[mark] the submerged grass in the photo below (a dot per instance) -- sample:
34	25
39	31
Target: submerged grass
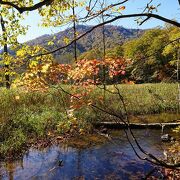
27	116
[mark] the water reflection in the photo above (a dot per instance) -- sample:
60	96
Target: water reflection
106	161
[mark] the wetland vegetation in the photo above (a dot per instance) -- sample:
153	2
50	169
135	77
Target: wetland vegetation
29	116
54	90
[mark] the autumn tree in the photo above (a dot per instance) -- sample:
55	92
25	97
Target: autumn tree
10	30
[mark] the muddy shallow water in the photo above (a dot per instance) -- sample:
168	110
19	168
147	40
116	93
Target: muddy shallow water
109	160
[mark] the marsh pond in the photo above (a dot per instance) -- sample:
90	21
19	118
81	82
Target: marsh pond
104	160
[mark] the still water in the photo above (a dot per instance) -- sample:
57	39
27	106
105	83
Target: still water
109	160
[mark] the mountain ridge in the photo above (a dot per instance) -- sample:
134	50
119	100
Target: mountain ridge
115	35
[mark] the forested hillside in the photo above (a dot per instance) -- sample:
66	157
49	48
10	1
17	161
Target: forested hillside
152	56
115	35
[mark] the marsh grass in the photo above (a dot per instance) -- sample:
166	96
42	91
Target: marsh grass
143	98
27	116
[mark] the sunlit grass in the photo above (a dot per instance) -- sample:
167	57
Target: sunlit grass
30	115
148	98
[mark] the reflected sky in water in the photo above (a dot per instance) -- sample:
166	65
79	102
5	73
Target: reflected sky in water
111	160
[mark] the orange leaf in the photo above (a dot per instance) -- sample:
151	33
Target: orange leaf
122	8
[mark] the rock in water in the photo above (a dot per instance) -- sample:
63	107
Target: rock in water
166	137
60	163
104	130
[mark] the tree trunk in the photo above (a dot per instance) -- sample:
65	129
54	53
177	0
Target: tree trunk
7	77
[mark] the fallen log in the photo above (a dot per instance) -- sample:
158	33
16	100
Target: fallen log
120	125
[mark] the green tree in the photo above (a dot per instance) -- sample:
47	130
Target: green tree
171	50
115	52
146	54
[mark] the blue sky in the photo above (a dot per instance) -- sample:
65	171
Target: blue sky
168	8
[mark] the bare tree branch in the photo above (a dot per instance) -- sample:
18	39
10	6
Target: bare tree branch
110	21
30	8
101	11
90	8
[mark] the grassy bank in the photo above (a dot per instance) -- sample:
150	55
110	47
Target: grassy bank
28	116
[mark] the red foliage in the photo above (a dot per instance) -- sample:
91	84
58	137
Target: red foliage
58	73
